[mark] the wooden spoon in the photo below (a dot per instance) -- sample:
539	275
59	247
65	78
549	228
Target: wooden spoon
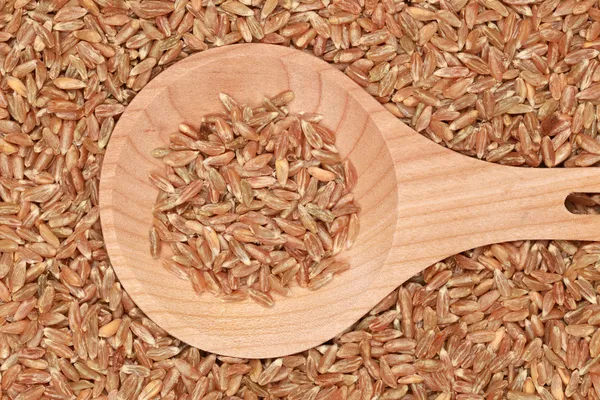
420	202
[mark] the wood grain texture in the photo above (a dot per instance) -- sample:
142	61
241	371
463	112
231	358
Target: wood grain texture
420	202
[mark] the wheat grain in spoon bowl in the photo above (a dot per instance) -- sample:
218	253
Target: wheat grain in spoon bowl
254	200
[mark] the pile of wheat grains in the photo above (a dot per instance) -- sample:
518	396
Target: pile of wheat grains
513	82
254	199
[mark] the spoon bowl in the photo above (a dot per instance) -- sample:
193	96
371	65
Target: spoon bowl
419	202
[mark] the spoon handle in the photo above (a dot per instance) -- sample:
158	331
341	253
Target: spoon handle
448	202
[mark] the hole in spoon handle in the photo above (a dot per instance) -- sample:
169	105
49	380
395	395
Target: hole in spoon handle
583	203
552	219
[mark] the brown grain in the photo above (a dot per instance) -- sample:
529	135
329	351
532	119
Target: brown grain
54	130
286	189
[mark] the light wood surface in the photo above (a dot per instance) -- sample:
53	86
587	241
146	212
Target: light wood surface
420	202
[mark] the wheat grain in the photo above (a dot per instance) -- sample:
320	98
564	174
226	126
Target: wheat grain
454	57
277	227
